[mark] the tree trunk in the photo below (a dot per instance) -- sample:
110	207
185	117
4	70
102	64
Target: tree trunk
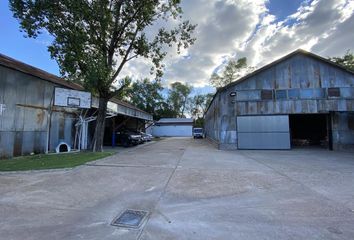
97	143
183	107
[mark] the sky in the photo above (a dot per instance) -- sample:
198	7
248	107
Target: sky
261	30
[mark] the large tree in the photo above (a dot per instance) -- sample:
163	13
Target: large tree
146	95
94	39
165	110
199	104
178	97
232	71
346	61
198	107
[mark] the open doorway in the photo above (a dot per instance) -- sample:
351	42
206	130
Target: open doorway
310	130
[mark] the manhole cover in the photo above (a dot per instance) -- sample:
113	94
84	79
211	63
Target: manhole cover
130	219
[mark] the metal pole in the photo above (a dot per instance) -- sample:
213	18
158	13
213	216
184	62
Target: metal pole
113	133
49	120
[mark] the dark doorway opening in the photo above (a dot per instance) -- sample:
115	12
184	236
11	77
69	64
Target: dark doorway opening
119	123
63	148
310	130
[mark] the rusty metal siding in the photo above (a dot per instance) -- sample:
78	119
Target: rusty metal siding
310	78
69	128
61	129
27	143
343	130
23	125
211	122
298	72
7	143
54	130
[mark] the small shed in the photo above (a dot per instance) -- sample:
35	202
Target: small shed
173	127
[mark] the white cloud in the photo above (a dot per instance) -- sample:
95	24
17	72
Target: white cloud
247	28
316	26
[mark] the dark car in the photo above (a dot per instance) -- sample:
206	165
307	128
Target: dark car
128	138
147	137
137	133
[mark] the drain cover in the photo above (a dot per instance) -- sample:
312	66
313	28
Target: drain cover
130	219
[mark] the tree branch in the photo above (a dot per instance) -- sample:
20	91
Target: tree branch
130	58
124	60
93	29
116	92
115	33
125	25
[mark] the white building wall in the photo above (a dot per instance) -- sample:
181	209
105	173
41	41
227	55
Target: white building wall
172	131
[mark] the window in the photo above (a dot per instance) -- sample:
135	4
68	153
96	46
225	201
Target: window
347	92
293	93
281	94
333	92
248	95
314	93
266	94
319	93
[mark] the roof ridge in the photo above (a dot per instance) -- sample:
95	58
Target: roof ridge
297	51
36	72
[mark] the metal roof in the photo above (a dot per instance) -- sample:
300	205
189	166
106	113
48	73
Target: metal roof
296	52
176	120
36	72
128	105
299	51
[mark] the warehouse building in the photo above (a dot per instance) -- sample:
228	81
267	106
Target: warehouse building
31	123
299	100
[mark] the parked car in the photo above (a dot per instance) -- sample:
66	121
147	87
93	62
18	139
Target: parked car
128	138
198	133
147	137
137	133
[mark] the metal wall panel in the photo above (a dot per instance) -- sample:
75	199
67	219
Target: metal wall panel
263	132
28	141
7	143
266	141
277	123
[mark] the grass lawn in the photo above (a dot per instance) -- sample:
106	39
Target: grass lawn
37	162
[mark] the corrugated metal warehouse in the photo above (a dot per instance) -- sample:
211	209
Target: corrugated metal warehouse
26	94
173	127
301	99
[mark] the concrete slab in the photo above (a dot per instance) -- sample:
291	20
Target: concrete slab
192	190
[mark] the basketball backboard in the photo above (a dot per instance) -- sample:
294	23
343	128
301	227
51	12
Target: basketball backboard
71	98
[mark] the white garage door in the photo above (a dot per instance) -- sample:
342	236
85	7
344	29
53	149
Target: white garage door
172	131
263	132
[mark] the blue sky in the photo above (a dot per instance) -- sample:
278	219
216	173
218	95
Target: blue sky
283	8
261	30
15	45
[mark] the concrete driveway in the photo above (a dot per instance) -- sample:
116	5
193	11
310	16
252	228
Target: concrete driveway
192	190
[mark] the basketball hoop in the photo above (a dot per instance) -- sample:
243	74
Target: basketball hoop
71	98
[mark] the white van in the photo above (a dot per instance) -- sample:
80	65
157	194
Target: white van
198	133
